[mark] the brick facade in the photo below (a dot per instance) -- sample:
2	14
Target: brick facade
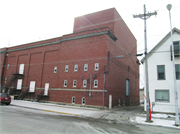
97	38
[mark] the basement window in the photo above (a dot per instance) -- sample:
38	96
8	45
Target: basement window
55	69
73	100
96	83
83	100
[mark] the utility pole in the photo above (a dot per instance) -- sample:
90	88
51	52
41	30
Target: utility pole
145	16
169	6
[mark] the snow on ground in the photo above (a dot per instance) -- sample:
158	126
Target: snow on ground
157	122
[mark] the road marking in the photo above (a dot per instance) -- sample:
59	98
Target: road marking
61	112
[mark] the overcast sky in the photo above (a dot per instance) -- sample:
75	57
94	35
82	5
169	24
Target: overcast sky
25	21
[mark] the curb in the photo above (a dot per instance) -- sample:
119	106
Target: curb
48	110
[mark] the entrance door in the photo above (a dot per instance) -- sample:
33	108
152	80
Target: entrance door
19	84
32	86
46	89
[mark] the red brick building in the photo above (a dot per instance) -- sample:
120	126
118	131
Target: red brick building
71	69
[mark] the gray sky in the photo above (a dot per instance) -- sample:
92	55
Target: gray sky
25	21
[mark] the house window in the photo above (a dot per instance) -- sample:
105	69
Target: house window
7	66
96	66
83	100
74	83
19	84
76	67
73	100
176	48
85	67
127	87
65	83
177	66
55	69
95	83
32	86
66	68
162	95
84	83
161	72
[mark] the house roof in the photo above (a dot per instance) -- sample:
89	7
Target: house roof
162	41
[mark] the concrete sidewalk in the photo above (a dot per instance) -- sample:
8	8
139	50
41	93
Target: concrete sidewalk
131	114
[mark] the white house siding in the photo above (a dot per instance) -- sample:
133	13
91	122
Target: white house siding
163	58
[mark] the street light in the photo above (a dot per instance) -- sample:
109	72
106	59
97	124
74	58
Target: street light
169	6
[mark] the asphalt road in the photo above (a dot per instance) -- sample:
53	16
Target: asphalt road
16	120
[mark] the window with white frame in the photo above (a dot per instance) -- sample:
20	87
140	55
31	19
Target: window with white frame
161	72
127	87
19	84
162	95
96	66
76	67
95	83
65	83
55	69
74	83
84	83
85	67
66	68
83	100
73	100
177	67
32	86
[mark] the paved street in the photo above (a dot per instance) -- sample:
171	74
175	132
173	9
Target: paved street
18	120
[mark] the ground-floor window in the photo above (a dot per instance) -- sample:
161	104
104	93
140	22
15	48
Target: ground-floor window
162	95
73	100
83	101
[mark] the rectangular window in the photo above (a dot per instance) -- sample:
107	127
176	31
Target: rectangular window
19	84
84	83
96	66
32	86
161	72
73	100
74	83
176	48
177	66
95	83
66	68
127	87
162	95
76	67
85	67
21	69
55	69
65	83
83	101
